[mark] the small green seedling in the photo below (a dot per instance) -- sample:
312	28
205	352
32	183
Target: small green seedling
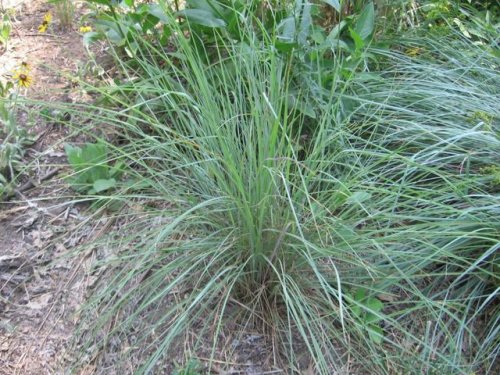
368	311
92	173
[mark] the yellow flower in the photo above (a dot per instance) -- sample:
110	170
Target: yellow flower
85	29
43	27
23	79
47	18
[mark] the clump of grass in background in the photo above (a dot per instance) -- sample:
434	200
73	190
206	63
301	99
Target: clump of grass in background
65	12
367	235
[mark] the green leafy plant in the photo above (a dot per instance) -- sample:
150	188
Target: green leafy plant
477	21
12	148
14	138
92	173
120	23
292	28
11	152
5	29
5	89
438	9
368	311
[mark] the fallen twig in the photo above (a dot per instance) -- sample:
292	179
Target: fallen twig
31	184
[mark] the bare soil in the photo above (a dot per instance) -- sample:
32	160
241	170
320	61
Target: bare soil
41	287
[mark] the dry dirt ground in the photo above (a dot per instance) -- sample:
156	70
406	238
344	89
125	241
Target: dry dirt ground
40	288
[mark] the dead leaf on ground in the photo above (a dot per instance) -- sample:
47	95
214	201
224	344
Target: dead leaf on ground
25	221
40	302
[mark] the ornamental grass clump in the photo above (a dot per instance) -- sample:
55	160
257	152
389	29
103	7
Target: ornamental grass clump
362	240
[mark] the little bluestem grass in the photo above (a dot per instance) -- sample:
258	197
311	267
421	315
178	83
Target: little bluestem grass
249	208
